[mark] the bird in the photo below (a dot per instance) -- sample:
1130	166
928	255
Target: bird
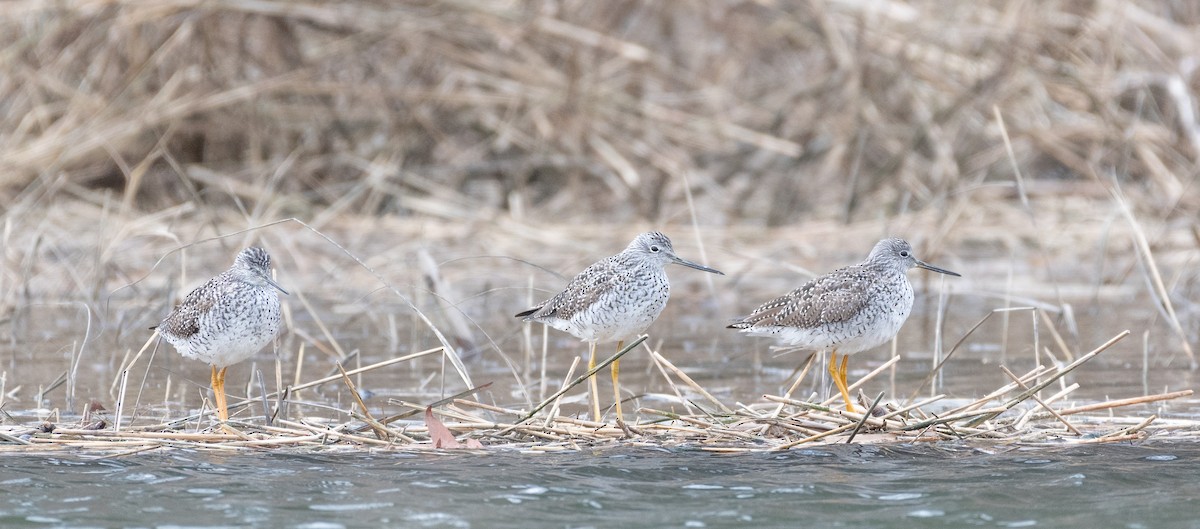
614	299
227	319
849	310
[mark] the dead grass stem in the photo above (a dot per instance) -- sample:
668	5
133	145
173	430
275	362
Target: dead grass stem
763	426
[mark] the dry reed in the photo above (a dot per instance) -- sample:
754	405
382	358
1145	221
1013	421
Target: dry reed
775	423
1054	144
462	110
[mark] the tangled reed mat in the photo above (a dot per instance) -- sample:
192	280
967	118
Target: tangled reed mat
1019	411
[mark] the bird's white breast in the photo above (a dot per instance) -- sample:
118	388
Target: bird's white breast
233	330
622	311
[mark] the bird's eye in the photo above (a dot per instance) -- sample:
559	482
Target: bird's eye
903	253
654	249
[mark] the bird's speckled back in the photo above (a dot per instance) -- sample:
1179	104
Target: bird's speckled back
615	298
851	309
230	317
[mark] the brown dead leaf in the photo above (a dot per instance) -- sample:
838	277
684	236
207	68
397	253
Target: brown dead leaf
438	433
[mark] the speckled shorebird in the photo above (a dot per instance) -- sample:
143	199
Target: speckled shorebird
227	319
848	310
614	299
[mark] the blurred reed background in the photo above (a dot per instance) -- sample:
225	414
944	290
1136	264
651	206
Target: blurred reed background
1046	149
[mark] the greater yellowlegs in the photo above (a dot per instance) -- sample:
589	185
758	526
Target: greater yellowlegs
614	299
848	310
227	319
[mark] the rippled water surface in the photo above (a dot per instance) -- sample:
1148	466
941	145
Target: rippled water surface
1150	486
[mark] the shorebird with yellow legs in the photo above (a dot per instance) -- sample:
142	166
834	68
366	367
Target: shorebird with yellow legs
849	310
227	319
614	299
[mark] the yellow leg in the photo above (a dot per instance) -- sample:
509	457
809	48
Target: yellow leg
616	384
219	391
846	390
215	381
593	387
839	378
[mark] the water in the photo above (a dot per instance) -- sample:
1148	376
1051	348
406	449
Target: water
947	485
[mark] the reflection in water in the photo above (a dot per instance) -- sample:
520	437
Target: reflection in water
843	486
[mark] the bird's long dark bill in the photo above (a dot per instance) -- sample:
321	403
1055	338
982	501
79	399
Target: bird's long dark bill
690	264
276	285
931	268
